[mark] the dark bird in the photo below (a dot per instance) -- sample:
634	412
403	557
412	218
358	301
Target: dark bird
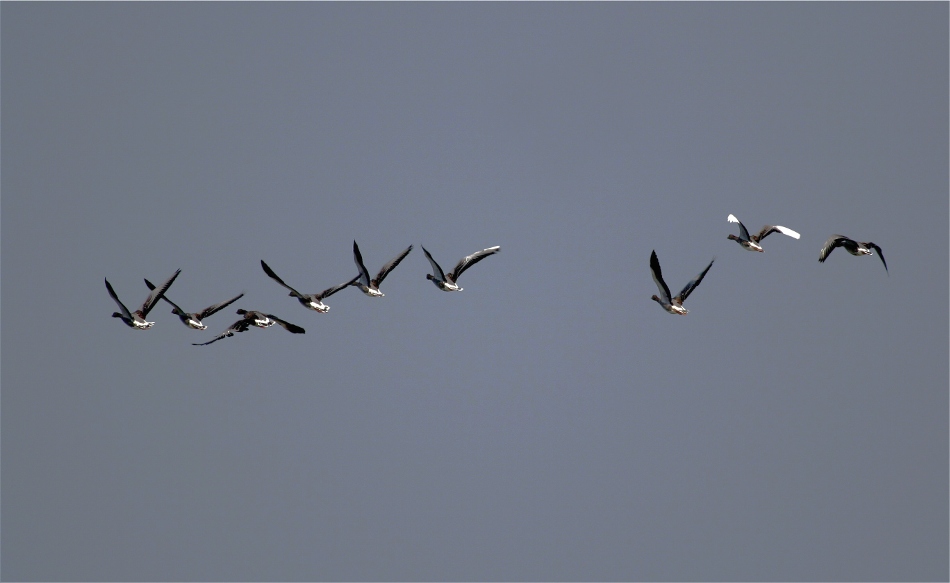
369	286
851	246
446	281
193	320
259	319
752	242
675	305
136	319
311	301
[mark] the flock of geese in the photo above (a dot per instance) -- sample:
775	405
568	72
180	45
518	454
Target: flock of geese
442	280
751	243
369	286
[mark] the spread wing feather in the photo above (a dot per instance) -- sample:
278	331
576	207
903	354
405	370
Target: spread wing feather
879	253
270	273
151	285
829	246
358	259
436	268
471	260
743	233
218	307
332	290
390	266
239	326
693	284
122	308
769	229
293	329
658	278
158	292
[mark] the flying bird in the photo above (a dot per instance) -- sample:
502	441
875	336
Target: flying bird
369	286
311	301
252	318
446	281
674	305
136	319
194	319
752	242
851	246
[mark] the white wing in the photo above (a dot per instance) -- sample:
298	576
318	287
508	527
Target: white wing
787	231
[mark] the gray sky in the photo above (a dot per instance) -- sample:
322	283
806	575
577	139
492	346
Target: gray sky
548	423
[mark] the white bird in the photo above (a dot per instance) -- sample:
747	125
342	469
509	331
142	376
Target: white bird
194	319
311	301
252	318
446	281
851	246
369	286
136	319
674	305
752	242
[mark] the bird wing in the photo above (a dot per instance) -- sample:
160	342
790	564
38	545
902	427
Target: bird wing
471	260
293	329
270	273
239	326
151	285
358	259
658	278
829	246
122	308
879	253
769	229
743	233
693	284
224	334
436	269
158	292
332	290
217	307
390	266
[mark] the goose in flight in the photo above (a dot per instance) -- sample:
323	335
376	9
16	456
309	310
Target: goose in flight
851	246
446	281
369	286
136	319
674	305
252	318
752	242
311	301
194	320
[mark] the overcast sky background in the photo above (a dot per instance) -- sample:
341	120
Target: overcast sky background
550	422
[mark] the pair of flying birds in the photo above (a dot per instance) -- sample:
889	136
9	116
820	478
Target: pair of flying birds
674	305
370	287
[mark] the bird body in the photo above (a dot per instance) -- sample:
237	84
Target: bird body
447	281
751	242
310	301
253	318
369	286
673	305
853	247
136	319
